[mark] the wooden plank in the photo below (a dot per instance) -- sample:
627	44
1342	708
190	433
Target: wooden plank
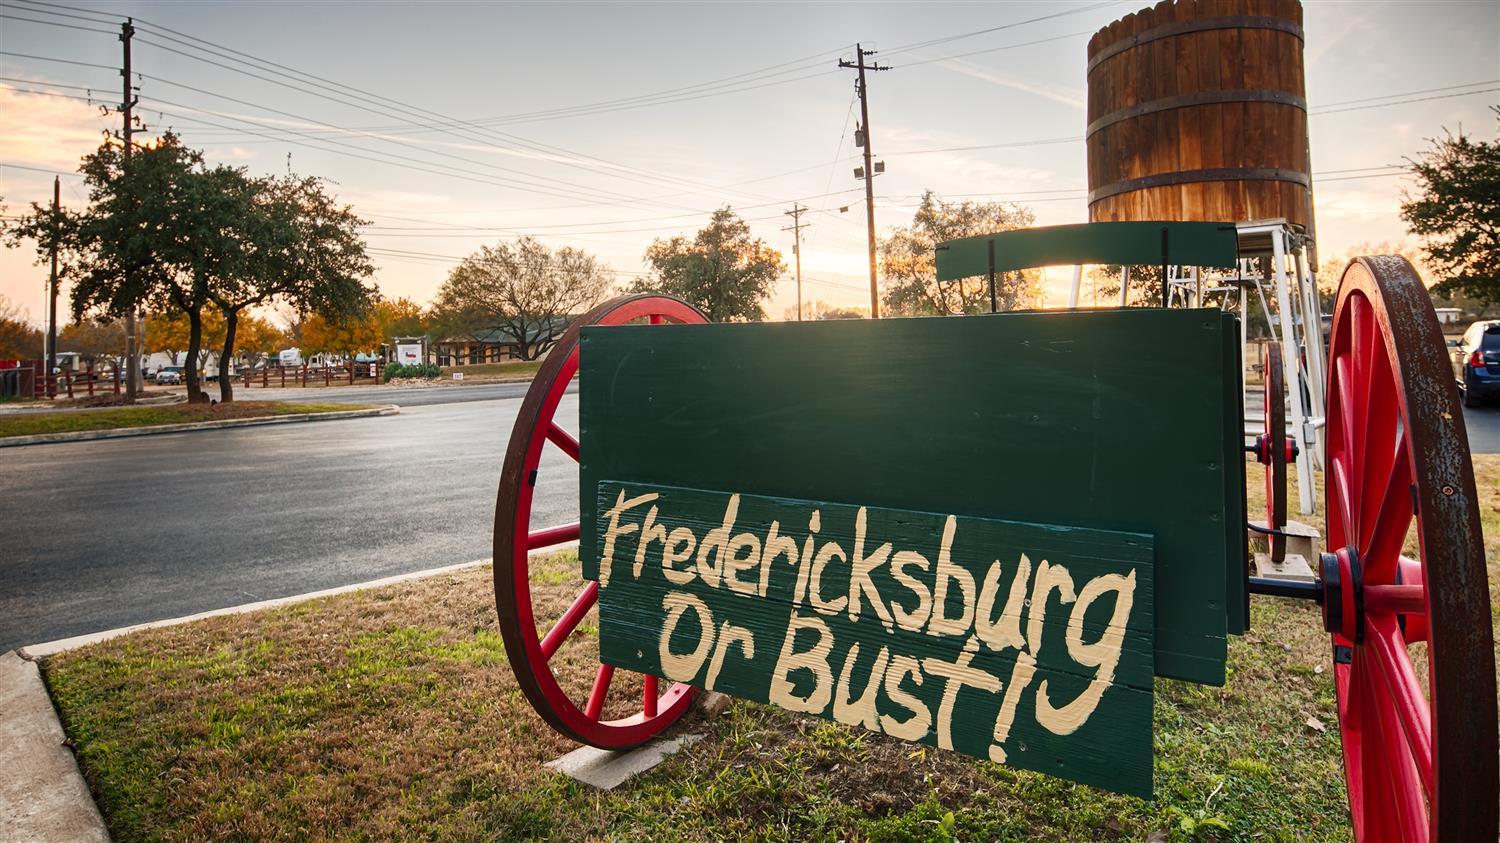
1018	643
1112	420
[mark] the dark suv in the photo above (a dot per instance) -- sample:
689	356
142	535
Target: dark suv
1476	362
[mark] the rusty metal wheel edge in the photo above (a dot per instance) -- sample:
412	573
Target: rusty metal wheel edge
1467	769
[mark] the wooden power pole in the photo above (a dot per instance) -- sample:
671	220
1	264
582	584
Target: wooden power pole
796	228
127	105
51	354
862	137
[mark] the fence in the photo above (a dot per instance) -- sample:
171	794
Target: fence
305	375
66	383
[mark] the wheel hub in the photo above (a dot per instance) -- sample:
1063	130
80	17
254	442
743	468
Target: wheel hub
1343	597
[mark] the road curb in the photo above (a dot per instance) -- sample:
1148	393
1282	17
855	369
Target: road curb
50	800
42	795
48	648
152	430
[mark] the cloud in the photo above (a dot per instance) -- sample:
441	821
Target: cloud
1057	93
49	132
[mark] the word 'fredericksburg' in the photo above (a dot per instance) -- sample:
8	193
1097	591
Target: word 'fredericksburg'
1019	643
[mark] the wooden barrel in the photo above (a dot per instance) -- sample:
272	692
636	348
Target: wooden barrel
1197	111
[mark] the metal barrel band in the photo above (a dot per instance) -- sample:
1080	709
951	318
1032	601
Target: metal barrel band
1201	25
1191	176
1195	99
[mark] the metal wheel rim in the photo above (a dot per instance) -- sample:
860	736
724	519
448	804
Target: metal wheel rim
534	427
1418	767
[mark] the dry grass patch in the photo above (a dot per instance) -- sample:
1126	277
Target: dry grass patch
392	714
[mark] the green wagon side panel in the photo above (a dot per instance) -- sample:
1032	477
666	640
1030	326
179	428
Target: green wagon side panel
1114	420
1023	643
1123	243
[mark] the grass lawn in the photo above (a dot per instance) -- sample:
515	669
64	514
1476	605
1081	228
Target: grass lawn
515	369
109	419
392	714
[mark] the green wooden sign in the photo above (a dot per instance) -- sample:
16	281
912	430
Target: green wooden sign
1126	421
1019	643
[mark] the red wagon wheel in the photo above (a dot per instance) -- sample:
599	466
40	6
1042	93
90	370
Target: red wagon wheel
1273	451
1420	762
530	650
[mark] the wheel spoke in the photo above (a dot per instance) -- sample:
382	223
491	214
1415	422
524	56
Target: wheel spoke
1407	807
1384	448
1388	654
1388	532
649	697
552	536
1341	529
1379	787
563	440
1396	599
569	620
1351	417
600	691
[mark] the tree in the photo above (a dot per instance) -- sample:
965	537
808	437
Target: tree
94	340
301	247
19	339
347	335
258	338
160	234
722	270
400	317
1457	213
910	286
819	310
171	332
523	289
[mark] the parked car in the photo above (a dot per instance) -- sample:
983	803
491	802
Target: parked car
169	374
1476	362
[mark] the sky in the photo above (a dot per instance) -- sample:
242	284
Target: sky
606	125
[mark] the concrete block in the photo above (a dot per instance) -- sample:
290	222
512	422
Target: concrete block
1293	567
1302	539
608	769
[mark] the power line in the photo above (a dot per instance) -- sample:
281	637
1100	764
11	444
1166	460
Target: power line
1013	25
56	23
264	65
1401	102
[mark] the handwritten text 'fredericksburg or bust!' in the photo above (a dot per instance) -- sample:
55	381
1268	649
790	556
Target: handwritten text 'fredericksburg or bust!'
751	562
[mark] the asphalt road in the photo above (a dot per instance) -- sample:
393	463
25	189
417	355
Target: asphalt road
114	532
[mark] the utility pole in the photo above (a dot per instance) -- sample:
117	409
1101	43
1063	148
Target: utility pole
127	104
51	354
796	228
869	170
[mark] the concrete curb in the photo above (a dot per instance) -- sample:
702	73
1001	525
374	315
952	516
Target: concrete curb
37	651
42	795
151	430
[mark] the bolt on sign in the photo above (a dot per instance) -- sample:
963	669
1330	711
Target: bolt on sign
813	482
1019	643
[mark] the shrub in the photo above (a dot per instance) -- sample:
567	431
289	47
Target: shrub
416	370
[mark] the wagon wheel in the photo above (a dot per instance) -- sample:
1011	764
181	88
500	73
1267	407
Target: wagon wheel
530	652
1271	447
1419	765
